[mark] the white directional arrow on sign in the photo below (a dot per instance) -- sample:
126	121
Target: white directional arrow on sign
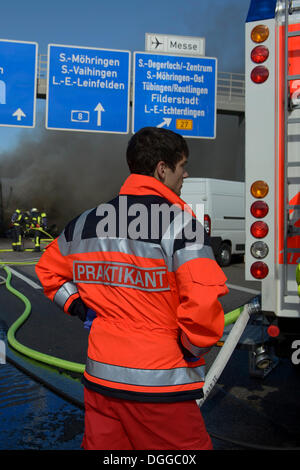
99	108
19	114
166	122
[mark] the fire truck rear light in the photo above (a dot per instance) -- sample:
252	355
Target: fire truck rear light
259	54
259	250
259	209
273	331
259	74
259	270
259	229
259	189
260	33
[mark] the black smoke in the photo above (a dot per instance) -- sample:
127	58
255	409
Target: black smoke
62	173
65	173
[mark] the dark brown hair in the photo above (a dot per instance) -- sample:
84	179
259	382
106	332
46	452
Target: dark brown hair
151	145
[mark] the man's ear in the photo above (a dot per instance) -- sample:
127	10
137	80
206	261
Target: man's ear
160	171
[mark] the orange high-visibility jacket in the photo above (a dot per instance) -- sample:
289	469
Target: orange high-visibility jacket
139	263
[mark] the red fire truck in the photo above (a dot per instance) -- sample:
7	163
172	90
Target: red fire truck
272	165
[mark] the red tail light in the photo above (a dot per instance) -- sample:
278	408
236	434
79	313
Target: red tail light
259	270
259	54
259	229
259	74
207	223
273	331
259	209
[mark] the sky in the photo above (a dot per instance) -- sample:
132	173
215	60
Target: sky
119	24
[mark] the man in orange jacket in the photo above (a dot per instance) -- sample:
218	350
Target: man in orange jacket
143	264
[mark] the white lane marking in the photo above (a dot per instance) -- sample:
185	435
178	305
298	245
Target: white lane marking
244	289
26	279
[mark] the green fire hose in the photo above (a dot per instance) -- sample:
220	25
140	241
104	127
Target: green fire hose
230	318
33	354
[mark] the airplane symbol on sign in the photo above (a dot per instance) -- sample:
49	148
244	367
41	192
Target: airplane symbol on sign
156	42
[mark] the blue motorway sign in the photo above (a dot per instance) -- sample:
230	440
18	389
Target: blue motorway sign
176	92
18	64
88	89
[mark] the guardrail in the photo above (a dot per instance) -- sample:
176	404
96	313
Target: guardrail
231	85
42	66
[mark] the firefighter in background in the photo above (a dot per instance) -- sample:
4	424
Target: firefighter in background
19	222
38	223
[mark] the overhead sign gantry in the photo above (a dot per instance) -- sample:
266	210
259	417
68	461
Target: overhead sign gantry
88	88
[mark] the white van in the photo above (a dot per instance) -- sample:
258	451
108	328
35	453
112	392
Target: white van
224	213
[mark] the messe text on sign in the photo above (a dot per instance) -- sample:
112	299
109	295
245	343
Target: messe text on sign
18	63
175	44
88	89
177	92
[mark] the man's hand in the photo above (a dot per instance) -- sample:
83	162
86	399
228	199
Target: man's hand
78	309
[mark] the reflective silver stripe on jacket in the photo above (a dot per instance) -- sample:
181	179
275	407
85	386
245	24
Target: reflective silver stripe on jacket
64	292
145	377
173	231
195	350
163	251
121	245
191	252
80	222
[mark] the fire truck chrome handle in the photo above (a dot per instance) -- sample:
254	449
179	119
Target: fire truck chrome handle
226	351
